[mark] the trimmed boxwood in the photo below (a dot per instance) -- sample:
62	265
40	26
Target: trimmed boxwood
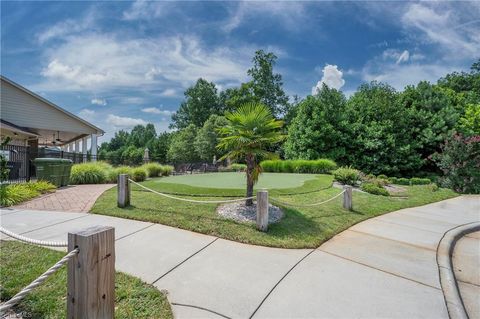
374	189
419	181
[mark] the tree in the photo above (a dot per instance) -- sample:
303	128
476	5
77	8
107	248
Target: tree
232	98
469	123
377	129
317	129
180	149
250	131
207	138
201	101
160	147
141	135
266	85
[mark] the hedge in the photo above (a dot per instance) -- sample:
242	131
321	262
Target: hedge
320	166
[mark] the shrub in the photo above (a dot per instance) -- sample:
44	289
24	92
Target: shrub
16	193
114	172
237	167
139	174
393	180
374	189
433	187
460	163
420	181
320	166
153	169
403	181
167	170
346	175
90	173
381	176
41	186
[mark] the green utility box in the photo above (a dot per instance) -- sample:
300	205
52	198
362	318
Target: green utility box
54	170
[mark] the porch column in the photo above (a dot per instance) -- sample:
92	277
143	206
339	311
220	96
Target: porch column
77	146
84	149
93	147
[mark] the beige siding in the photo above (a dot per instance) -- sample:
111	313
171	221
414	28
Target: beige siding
24	110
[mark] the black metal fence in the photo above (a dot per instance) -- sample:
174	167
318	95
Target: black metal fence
18	162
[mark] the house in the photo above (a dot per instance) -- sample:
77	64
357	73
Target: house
37	126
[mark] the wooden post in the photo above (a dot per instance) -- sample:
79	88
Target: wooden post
262	210
347	197
91	274
123	191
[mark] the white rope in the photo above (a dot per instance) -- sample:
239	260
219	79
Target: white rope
37	282
32	241
307	205
192	200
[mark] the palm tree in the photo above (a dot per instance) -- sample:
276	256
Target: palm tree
250	131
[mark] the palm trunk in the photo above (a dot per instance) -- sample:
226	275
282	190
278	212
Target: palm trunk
250	168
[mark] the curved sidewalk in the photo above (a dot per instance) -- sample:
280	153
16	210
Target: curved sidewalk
384	267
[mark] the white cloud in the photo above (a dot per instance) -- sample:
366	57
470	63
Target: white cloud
124	122
169	92
289	13
87	114
403	57
155	110
145	10
332	77
67	27
104	61
439	23
98	101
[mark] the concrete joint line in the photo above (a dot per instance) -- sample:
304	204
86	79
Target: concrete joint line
137	231
183	261
64	221
281	279
200	308
378	269
448	282
398	241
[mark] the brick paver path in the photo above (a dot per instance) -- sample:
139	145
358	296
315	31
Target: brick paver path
78	198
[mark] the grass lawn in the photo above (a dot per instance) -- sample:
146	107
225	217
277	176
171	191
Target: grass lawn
302	227
22	263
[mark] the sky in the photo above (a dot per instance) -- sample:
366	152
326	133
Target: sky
119	64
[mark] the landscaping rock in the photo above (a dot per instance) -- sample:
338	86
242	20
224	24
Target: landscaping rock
238	211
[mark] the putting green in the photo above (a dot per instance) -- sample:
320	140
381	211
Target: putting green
238	180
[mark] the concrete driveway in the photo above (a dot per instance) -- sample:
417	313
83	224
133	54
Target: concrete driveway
381	268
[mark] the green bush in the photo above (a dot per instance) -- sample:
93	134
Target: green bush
41	186
16	193
237	167
433	187
374	189
114	172
393	180
403	181
320	166
346	175
381	176
153	169
167	170
90	173
420	181
139	174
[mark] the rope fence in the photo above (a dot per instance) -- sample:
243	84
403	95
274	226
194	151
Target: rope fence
32	241
306	205
191	200
262	201
37	282
95	248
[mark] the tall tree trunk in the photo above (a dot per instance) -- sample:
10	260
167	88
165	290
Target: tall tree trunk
250	168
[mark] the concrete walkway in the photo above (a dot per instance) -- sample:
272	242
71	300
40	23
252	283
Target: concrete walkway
381	268
77	198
